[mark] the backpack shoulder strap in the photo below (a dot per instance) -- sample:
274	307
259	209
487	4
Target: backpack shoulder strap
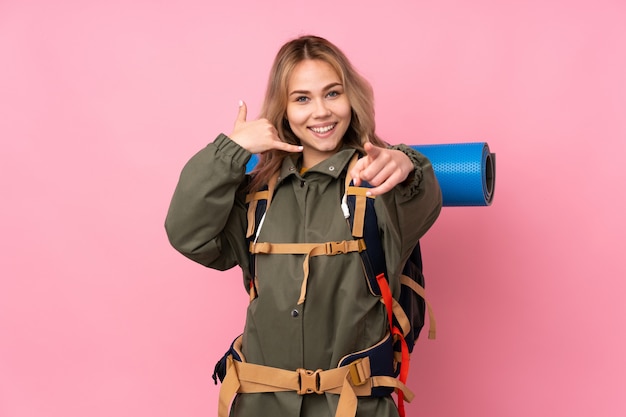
253	199
359	210
258	203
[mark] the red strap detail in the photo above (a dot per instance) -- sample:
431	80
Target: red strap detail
385	292
401	403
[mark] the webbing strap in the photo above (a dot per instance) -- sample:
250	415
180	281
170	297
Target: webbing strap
419	290
348	381
401	317
308	249
259	195
252	201
360	204
360	193
230	386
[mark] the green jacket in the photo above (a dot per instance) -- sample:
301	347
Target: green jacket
207	223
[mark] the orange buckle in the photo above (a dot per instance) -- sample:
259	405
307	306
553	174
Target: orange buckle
357	375
336	248
309	381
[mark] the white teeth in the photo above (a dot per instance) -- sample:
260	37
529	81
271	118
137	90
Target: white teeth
323	129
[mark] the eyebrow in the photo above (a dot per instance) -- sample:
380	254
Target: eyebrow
328	87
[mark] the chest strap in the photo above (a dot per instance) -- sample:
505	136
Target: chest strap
308	249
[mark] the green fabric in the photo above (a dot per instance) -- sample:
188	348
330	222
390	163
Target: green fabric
207	223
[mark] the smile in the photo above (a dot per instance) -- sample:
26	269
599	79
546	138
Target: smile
323	129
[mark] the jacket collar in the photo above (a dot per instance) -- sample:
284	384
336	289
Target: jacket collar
332	166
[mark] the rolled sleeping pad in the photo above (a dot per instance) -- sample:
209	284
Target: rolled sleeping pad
466	172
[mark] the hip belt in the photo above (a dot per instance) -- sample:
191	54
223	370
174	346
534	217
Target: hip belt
368	373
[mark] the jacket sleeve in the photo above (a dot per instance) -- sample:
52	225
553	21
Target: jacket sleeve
206	220
407	212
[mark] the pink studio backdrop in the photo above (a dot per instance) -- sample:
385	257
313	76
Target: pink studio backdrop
101	104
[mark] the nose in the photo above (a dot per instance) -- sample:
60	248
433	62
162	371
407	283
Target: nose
321	109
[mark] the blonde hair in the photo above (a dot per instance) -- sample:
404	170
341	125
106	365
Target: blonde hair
274	109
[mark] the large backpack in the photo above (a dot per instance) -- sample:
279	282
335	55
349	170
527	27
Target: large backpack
405	315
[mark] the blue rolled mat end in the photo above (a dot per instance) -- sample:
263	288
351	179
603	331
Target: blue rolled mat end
466	172
254	159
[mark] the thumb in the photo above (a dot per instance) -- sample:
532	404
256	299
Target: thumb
243	112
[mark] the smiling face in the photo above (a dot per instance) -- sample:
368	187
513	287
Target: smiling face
318	110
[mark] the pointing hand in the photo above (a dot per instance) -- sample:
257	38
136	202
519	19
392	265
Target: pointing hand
383	168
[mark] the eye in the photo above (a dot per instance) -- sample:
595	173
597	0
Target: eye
301	99
333	94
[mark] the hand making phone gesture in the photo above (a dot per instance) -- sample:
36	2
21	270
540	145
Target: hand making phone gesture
258	136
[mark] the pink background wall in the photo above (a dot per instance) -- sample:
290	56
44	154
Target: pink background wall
101	103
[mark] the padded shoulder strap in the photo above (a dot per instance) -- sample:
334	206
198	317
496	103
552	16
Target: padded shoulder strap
363	222
253	199
258	203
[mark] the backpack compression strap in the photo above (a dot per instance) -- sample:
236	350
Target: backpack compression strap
404	322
